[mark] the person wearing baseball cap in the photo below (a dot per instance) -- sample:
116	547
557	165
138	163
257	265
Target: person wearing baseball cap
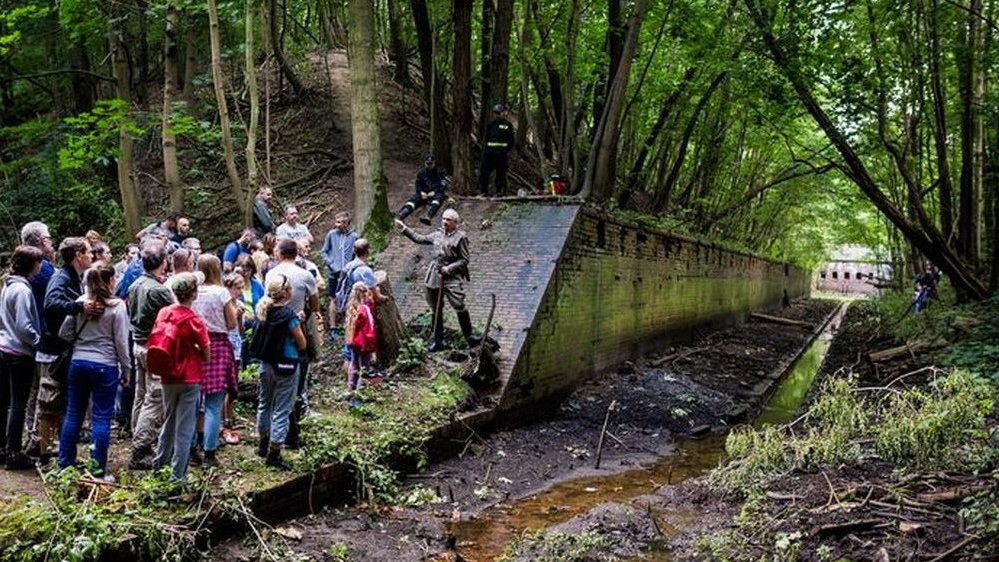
498	143
431	191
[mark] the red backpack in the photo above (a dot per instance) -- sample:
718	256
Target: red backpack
163	346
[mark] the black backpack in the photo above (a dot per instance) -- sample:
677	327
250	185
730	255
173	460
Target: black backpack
269	336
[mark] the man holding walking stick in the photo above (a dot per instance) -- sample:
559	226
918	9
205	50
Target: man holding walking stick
446	276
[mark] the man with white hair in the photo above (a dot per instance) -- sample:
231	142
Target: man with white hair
446	275
291	228
36	234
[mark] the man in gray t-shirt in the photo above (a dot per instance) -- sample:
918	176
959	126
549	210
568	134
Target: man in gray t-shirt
303	284
291	228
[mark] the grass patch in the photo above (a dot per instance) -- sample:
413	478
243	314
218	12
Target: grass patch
557	547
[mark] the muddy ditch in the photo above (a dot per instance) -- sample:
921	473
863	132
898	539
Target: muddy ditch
476	502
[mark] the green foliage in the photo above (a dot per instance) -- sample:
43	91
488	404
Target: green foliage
93	136
412	354
394	423
557	547
943	426
339	552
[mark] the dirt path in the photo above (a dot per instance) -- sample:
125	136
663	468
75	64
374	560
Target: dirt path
655	410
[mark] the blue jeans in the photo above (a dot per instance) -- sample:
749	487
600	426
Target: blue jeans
276	399
213	419
87	380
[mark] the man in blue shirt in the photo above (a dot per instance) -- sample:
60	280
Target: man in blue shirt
338	251
237	248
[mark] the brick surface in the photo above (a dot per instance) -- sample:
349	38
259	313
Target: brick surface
578	292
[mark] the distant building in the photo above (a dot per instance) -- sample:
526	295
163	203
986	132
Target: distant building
853	270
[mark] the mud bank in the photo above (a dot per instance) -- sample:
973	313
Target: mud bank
658	403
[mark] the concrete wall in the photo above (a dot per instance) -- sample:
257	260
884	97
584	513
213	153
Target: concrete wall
578	292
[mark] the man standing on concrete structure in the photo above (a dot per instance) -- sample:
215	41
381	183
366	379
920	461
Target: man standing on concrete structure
145	299
495	154
446	276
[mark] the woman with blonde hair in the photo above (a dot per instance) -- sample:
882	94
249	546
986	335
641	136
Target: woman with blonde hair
276	344
216	307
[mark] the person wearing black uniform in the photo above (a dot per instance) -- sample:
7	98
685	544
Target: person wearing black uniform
499	142
431	190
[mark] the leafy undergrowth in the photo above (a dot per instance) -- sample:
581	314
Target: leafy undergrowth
895	460
893	471
82	518
557	547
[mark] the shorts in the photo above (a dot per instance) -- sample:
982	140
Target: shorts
334	282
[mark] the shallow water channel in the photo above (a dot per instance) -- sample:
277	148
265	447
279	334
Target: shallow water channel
484	538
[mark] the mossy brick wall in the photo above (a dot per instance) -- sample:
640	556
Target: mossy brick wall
578	292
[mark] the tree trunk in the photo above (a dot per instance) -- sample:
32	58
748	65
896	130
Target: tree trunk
370	200
462	92
615	40
601	167
142	86
250	76
397	43
929	243
242	200
190	59
425	44
283	64
499	71
972	137
946	184
171	71
131	200
485	64
391	329
84	91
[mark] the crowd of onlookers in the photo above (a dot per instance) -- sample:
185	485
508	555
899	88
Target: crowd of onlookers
153	341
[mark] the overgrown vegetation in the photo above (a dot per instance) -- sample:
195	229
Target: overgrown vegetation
942	426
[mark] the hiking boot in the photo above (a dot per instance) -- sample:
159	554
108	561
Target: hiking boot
195	458
435	346
274	458
210	460
18	461
262	445
141	459
426	219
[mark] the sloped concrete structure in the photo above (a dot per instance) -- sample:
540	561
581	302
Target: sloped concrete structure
578	291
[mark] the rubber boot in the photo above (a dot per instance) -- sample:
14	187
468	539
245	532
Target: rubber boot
265	440
431	211
274	457
465	321
404	212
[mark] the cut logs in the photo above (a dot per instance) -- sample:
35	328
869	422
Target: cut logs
907	349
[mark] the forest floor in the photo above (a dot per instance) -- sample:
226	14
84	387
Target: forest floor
497	476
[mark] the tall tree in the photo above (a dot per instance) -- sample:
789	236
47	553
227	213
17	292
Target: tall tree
972	134
499	69
250	75
278	50
131	200
218	83
601	166
370	197
171	84
397	44
462	92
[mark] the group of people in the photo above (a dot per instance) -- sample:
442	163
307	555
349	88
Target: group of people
156	340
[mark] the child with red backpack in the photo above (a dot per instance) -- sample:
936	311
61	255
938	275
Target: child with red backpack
177	347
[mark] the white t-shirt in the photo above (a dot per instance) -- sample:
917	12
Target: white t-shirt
303	284
285	230
210	305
